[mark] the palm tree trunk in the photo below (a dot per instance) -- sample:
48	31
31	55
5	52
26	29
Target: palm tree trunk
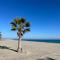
19	44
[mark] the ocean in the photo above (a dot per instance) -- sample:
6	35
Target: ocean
44	40
41	40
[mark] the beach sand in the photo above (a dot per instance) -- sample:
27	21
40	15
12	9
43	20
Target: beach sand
31	50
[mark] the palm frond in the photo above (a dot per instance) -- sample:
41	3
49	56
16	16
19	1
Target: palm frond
23	20
27	24
15	20
26	30
13	24
18	21
13	28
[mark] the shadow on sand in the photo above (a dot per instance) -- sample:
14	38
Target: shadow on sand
47	58
5	47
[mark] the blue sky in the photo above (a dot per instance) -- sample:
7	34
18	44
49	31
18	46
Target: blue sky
44	16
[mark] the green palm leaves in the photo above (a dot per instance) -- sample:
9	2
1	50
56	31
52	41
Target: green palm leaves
21	25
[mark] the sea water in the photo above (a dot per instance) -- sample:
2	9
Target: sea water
44	40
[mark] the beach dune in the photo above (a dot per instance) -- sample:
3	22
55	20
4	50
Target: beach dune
31	50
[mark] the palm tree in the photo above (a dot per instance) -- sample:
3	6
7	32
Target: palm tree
21	26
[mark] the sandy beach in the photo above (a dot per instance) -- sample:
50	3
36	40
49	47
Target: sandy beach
31	50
